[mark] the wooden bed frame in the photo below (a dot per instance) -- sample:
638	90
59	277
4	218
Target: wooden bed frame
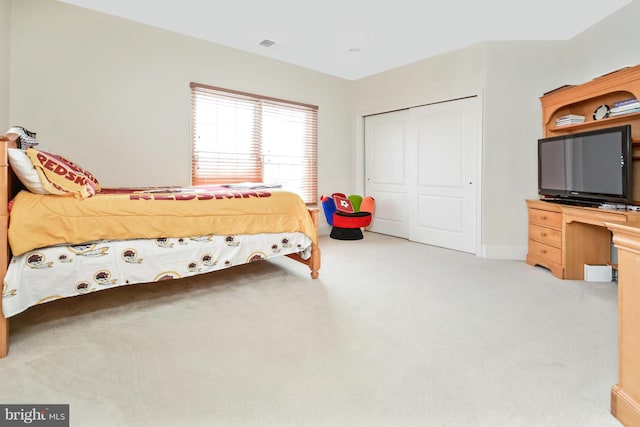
10	186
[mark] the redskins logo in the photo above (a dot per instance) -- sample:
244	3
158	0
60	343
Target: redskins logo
208	260
79	249
192	267
275	248
166	275
163	242
231	241
6	293
285	242
256	256
89	250
83	287
36	260
130	256
64	258
103	277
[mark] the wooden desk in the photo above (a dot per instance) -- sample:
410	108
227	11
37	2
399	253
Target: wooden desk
625	396
564	238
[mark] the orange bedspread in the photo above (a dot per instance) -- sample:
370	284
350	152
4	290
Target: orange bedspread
43	220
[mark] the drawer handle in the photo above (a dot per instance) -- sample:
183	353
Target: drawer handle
543	217
543	234
543	251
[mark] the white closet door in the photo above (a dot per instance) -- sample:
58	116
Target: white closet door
385	171
444	189
422	165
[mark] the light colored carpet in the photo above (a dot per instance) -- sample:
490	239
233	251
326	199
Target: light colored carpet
393	333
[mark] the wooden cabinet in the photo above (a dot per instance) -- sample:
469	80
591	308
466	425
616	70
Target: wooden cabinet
584	99
545	236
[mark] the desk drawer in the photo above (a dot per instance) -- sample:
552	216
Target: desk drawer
545	218
597	216
546	235
541	250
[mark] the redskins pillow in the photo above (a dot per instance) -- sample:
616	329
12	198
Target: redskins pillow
61	176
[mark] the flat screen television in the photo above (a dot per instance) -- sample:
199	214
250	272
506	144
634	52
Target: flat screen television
587	168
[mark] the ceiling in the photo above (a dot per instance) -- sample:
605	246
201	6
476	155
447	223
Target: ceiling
353	39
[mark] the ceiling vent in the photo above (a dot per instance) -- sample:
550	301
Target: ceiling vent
267	43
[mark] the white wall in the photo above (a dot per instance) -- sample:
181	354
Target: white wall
518	74
113	95
5	52
606	46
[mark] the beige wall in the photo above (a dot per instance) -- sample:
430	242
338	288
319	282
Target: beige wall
5	53
113	95
451	75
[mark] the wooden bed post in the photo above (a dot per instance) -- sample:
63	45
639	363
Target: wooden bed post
6	194
314	261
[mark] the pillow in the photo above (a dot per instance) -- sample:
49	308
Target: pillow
343	204
25	171
61	176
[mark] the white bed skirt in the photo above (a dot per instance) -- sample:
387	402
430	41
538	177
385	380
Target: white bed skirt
57	272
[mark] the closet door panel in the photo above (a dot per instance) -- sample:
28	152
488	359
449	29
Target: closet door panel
385	171
422	166
443	207
440	151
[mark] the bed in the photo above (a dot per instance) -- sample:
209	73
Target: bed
58	245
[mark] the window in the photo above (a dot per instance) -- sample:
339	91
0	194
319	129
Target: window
239	137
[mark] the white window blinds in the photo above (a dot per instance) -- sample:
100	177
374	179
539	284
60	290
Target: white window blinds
239	137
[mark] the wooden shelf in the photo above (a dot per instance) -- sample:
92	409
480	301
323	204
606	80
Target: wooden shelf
584	99
595	124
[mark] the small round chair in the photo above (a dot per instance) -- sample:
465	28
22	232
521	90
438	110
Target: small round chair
348	225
